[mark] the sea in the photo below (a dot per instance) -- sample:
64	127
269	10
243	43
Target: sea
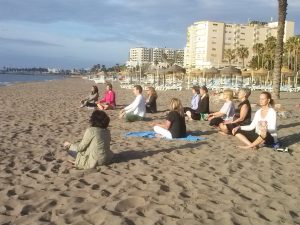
11	79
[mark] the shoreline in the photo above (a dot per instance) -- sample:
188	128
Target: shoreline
152	181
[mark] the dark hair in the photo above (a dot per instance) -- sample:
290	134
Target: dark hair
139	88
204	88
95	90
196	88
269	96
109	85
99	119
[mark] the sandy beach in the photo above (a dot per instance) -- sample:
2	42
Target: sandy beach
152	181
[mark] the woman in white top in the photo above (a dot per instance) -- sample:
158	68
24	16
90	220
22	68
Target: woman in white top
226	112
262	129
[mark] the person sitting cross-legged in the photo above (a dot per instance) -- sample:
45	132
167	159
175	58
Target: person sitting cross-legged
109	99
203	105
262	129
174	125
94	148
137	109
242	115
226	112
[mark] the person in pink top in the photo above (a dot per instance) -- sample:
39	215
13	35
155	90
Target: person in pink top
109	99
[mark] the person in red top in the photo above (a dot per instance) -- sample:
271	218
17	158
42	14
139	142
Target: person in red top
109	99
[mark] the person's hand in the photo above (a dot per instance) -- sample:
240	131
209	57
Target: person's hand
234	130
227	122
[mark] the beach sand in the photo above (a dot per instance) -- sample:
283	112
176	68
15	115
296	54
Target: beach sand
152	181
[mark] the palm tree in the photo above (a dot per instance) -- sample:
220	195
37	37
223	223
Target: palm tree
230	55
242	53
293	44
288	47
282	7
270	46
258	49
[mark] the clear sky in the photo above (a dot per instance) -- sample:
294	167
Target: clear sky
80	33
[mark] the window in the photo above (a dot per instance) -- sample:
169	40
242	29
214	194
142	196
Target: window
214	42
214	30
214	49
215	24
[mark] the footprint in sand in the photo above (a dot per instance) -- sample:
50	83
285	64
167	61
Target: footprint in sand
129	203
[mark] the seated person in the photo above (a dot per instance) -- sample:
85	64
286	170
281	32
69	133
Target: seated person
242	115
226	112
194	101
109	99
174	126
90	101
137	109
203	105
151	100
262	129
94	149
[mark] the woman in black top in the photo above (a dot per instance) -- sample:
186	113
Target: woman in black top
174	126
151	101
203	105
243	113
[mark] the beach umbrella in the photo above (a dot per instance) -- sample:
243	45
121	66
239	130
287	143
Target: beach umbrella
286	72
261	73
211	71
174	69
230	71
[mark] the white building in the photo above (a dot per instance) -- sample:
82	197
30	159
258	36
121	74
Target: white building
207	40
141	55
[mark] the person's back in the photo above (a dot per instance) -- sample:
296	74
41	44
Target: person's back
178	126
97	152
151	106
94	148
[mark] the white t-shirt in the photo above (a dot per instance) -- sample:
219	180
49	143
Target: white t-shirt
137	107
269	122
228	109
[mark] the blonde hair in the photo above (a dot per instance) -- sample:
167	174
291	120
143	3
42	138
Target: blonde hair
152	92
175	105
228	94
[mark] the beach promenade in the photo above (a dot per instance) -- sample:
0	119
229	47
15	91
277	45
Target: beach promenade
152	181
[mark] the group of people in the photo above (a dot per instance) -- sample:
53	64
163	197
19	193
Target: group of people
94	149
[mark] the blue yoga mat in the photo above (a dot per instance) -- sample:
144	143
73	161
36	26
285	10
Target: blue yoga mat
151	134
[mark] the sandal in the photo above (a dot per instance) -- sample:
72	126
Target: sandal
281	149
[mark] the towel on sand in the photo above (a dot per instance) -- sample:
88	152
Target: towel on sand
151	134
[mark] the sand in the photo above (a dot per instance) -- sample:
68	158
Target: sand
151	181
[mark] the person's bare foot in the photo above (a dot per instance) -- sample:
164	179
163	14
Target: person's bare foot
248	147
72	162
158	136
221	132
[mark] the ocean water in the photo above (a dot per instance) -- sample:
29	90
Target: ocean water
11	79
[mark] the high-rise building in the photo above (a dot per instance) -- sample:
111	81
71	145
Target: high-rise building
141	55
207	41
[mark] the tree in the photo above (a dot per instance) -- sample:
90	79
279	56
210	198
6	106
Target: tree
270	46
258	49
230	55
292	46
242	53
282	11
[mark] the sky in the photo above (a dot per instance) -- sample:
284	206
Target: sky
81	33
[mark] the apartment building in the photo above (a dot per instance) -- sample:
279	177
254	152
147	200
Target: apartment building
207	41
142	55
